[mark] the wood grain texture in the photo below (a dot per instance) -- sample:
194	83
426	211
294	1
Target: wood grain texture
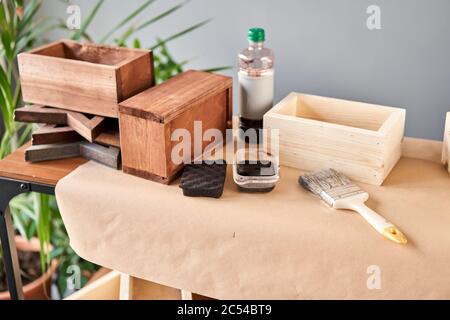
109	156
89	128
84	77
143	145
40	114
148	120
361	140
109	138
52	133
446	144
171	98
115	286
14	166
48	152
104	288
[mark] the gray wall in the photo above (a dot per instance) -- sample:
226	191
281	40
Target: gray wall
322	47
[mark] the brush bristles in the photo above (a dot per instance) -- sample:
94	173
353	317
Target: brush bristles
324	180
329	184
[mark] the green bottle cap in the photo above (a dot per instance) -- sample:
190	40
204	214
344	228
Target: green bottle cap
256	34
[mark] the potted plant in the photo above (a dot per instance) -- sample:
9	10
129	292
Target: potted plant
36	286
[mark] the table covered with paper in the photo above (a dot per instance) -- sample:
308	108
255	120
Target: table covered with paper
286	244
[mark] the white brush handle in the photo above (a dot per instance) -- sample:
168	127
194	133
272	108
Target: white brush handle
373	218
384	227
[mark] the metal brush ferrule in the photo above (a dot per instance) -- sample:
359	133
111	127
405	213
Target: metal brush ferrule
332	195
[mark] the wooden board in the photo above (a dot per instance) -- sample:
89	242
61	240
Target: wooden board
361	140
109	156
115	285
52	133
84	77
89	128
47	152
170	99
40	114
109	138
14	166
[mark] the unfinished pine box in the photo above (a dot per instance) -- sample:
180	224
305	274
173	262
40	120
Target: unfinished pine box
87	78
446	144
148	120
359	139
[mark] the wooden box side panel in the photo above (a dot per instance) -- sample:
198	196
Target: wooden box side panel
310	147
342	112
212	113
393	138
68	84
143	146
136	76
55	49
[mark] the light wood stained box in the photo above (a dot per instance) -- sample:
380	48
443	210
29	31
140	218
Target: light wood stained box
84	77
359	139
148	120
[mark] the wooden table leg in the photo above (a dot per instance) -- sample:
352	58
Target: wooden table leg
10	255
9	188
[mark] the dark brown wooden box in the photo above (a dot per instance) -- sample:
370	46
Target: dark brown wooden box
148	119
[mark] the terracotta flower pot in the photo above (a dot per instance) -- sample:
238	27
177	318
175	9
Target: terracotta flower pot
39	289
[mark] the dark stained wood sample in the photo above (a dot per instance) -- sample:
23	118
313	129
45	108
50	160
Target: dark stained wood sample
52	133
55	151
109	156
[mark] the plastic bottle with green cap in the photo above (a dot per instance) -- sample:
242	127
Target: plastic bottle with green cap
256	81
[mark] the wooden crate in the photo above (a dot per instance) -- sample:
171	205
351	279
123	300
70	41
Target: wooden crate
148	120
84	77
446	144
359	139
117	286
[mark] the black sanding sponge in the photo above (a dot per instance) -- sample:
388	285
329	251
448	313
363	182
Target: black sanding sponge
204	180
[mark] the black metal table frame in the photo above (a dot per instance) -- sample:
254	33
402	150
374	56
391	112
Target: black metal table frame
9	188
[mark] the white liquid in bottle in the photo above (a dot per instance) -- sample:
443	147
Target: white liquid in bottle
256	81
256	95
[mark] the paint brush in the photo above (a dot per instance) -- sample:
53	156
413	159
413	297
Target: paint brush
339	192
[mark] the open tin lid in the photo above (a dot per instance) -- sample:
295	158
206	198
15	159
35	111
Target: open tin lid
255	170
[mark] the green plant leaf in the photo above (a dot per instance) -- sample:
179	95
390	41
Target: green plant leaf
161	16
88	21
35	32
136	44
180	34
132	29
5	93
30	11
126	20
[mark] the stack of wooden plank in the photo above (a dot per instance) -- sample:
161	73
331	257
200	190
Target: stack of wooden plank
63	134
